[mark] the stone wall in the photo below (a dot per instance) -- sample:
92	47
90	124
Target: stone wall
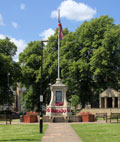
103	110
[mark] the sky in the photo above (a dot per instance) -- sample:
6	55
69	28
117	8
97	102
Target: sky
24	21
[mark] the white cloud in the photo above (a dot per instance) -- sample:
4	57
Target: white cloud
72	10
15	25
22	6
47	33
1	20
2	36
21	44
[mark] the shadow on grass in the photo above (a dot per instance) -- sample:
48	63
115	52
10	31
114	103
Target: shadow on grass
17	140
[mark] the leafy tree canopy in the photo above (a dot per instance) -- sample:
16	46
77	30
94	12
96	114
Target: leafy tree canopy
30	62
7	67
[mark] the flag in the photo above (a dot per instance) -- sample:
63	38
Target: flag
60	28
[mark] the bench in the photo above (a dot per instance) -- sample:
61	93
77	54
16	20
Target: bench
5	118
101	115
115	116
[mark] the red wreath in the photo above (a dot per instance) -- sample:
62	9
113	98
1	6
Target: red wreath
59	103
48	110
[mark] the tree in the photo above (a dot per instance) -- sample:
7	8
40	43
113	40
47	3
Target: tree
97	64
75	100
7	48
30	62
7	65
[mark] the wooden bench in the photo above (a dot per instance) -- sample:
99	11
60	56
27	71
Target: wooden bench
101	115
6	118
115	116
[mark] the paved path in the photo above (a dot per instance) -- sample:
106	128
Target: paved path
60	132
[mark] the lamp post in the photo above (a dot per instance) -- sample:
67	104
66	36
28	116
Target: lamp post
41	90
8	89
8	115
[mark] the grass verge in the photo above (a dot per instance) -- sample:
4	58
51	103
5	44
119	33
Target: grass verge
21	133
98	132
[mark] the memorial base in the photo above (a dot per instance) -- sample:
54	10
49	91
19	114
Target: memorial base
58	111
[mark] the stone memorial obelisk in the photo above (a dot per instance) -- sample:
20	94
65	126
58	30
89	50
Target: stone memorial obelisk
58	105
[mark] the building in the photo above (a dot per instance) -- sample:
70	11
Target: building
110	98
19	103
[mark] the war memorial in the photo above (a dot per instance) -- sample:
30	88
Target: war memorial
58	106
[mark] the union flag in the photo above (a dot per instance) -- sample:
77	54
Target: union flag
60	29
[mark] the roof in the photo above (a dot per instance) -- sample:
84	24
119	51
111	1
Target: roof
110	92
58	83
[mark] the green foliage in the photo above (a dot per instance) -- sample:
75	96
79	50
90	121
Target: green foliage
30	62
29	98
7	48
7	65
75	100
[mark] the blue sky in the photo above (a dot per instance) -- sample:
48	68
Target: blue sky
29	20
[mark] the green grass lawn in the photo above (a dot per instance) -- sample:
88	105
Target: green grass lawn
98	132
21	133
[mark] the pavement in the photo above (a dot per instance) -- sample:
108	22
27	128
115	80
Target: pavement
60	132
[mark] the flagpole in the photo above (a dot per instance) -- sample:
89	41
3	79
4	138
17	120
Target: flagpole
58	48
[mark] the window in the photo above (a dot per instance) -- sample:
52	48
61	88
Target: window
58	96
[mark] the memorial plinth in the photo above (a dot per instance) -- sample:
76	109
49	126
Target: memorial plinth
58	104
